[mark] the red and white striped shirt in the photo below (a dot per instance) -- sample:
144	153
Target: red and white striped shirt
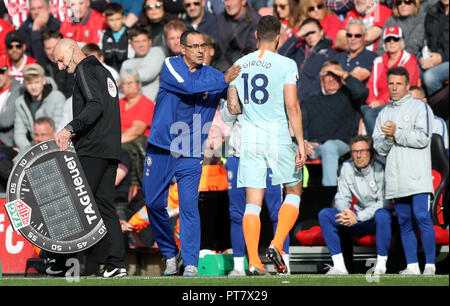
17	73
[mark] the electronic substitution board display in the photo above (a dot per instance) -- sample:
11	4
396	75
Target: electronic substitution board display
50	202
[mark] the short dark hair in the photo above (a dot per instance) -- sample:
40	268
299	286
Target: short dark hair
183	38
92	48
268	28
135	31
399	70
49	34
312	20
113	8
366	138
419	89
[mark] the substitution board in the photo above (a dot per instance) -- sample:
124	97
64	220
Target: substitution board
50	202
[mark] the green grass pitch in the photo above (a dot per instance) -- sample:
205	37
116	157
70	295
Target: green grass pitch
274	280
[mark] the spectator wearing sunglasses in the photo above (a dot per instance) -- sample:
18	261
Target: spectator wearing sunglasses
410	17
15	47
155	16
287	11
378	87
374	15
316	9
198	18
357	60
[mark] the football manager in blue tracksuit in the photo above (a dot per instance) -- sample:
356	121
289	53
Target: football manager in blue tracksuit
187	100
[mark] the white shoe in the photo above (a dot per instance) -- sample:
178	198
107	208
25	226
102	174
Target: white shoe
429	269
237	273
379	269
410	271
335	271
190	270
173	265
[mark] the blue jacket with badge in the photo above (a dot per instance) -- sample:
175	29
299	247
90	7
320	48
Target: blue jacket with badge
185	107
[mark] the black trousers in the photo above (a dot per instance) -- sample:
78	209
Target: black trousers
101	176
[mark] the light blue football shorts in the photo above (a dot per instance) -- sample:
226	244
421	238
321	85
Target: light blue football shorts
256	158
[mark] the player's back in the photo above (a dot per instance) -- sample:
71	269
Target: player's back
260	87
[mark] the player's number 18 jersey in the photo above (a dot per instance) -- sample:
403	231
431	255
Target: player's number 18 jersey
260	87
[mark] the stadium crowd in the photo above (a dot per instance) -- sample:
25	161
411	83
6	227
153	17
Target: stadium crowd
361	39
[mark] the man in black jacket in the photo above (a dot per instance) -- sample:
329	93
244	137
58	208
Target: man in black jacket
237	26
310	49
199	18
95	131
331	117
115	39
39	20
63	80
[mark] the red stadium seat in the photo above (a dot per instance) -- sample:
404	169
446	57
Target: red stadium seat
311	237
369	240
441	235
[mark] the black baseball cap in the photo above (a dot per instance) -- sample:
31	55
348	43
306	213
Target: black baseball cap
14	36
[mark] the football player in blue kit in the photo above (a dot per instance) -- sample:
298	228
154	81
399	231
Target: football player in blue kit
185	106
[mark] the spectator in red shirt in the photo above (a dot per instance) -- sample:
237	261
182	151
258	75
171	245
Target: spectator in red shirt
374	15
15	47
395	56
136	113
316	9
85	25
136	110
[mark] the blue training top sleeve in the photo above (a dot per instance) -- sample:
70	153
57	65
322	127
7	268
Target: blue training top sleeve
175	77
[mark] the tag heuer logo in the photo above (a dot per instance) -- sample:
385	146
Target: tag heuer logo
19	213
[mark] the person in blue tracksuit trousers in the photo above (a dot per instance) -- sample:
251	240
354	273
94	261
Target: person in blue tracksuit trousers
402	133
361	177
185	106
273	196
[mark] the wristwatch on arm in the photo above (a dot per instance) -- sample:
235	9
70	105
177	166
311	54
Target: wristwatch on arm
69	128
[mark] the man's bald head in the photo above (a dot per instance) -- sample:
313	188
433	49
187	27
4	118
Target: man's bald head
67	55
66	44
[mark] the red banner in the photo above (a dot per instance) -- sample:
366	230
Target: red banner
14	249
